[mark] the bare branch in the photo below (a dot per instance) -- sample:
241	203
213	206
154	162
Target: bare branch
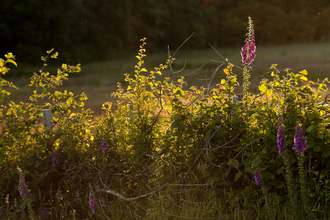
130	199
161	160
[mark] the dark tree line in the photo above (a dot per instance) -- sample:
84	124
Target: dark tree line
87	30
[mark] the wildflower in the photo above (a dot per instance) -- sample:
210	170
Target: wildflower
104	145
300	143
92	202
249	49
67	174
43	212
0	213
22	188
256	176
54	159
281	139
23	212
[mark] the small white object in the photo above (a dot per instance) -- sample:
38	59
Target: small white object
130	106
47	117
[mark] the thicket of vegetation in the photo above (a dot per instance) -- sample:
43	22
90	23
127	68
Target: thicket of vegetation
165	152
87	30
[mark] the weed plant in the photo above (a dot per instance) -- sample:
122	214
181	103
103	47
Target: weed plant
165	152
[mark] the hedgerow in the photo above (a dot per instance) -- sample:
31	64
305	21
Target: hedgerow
167	151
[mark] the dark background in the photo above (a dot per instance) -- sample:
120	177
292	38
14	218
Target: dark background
90	30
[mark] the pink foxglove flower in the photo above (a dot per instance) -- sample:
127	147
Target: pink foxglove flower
300	143
54	159
257	176
104	145
92	202
281	139
43	212
249	49
22	188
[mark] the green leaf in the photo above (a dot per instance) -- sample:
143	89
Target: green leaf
237	176
320	134
317	148
263	88
207	135
280	170
304	72
233	80
269	92
256	162
179	91
300	77
267	175
10	56
326	151
11	61
37	164
310	128
233	162
322	87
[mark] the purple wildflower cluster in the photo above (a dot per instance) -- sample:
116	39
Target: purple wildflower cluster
22	188
67	174
249	49
104	145
300	143
23	212
0	213
55	161
281	143
43	212
257	176
92	202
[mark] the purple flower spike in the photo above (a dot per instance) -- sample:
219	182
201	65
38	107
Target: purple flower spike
300	143
104	145
43	212
23	212
55	161
249	49
256	176
281	139
22	188
92	203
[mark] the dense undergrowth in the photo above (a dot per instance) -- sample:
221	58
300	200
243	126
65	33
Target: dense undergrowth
165	152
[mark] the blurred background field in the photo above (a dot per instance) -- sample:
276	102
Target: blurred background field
99	79
104	37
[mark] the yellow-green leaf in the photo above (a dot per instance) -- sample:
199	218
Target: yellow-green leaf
10	56
178	91
304	72
11	61
263	88
269	92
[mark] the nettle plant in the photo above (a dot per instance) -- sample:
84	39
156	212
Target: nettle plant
163	151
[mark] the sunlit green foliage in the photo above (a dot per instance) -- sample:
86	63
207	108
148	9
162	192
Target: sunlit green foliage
169	151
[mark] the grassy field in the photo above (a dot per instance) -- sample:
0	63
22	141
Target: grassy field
99	79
